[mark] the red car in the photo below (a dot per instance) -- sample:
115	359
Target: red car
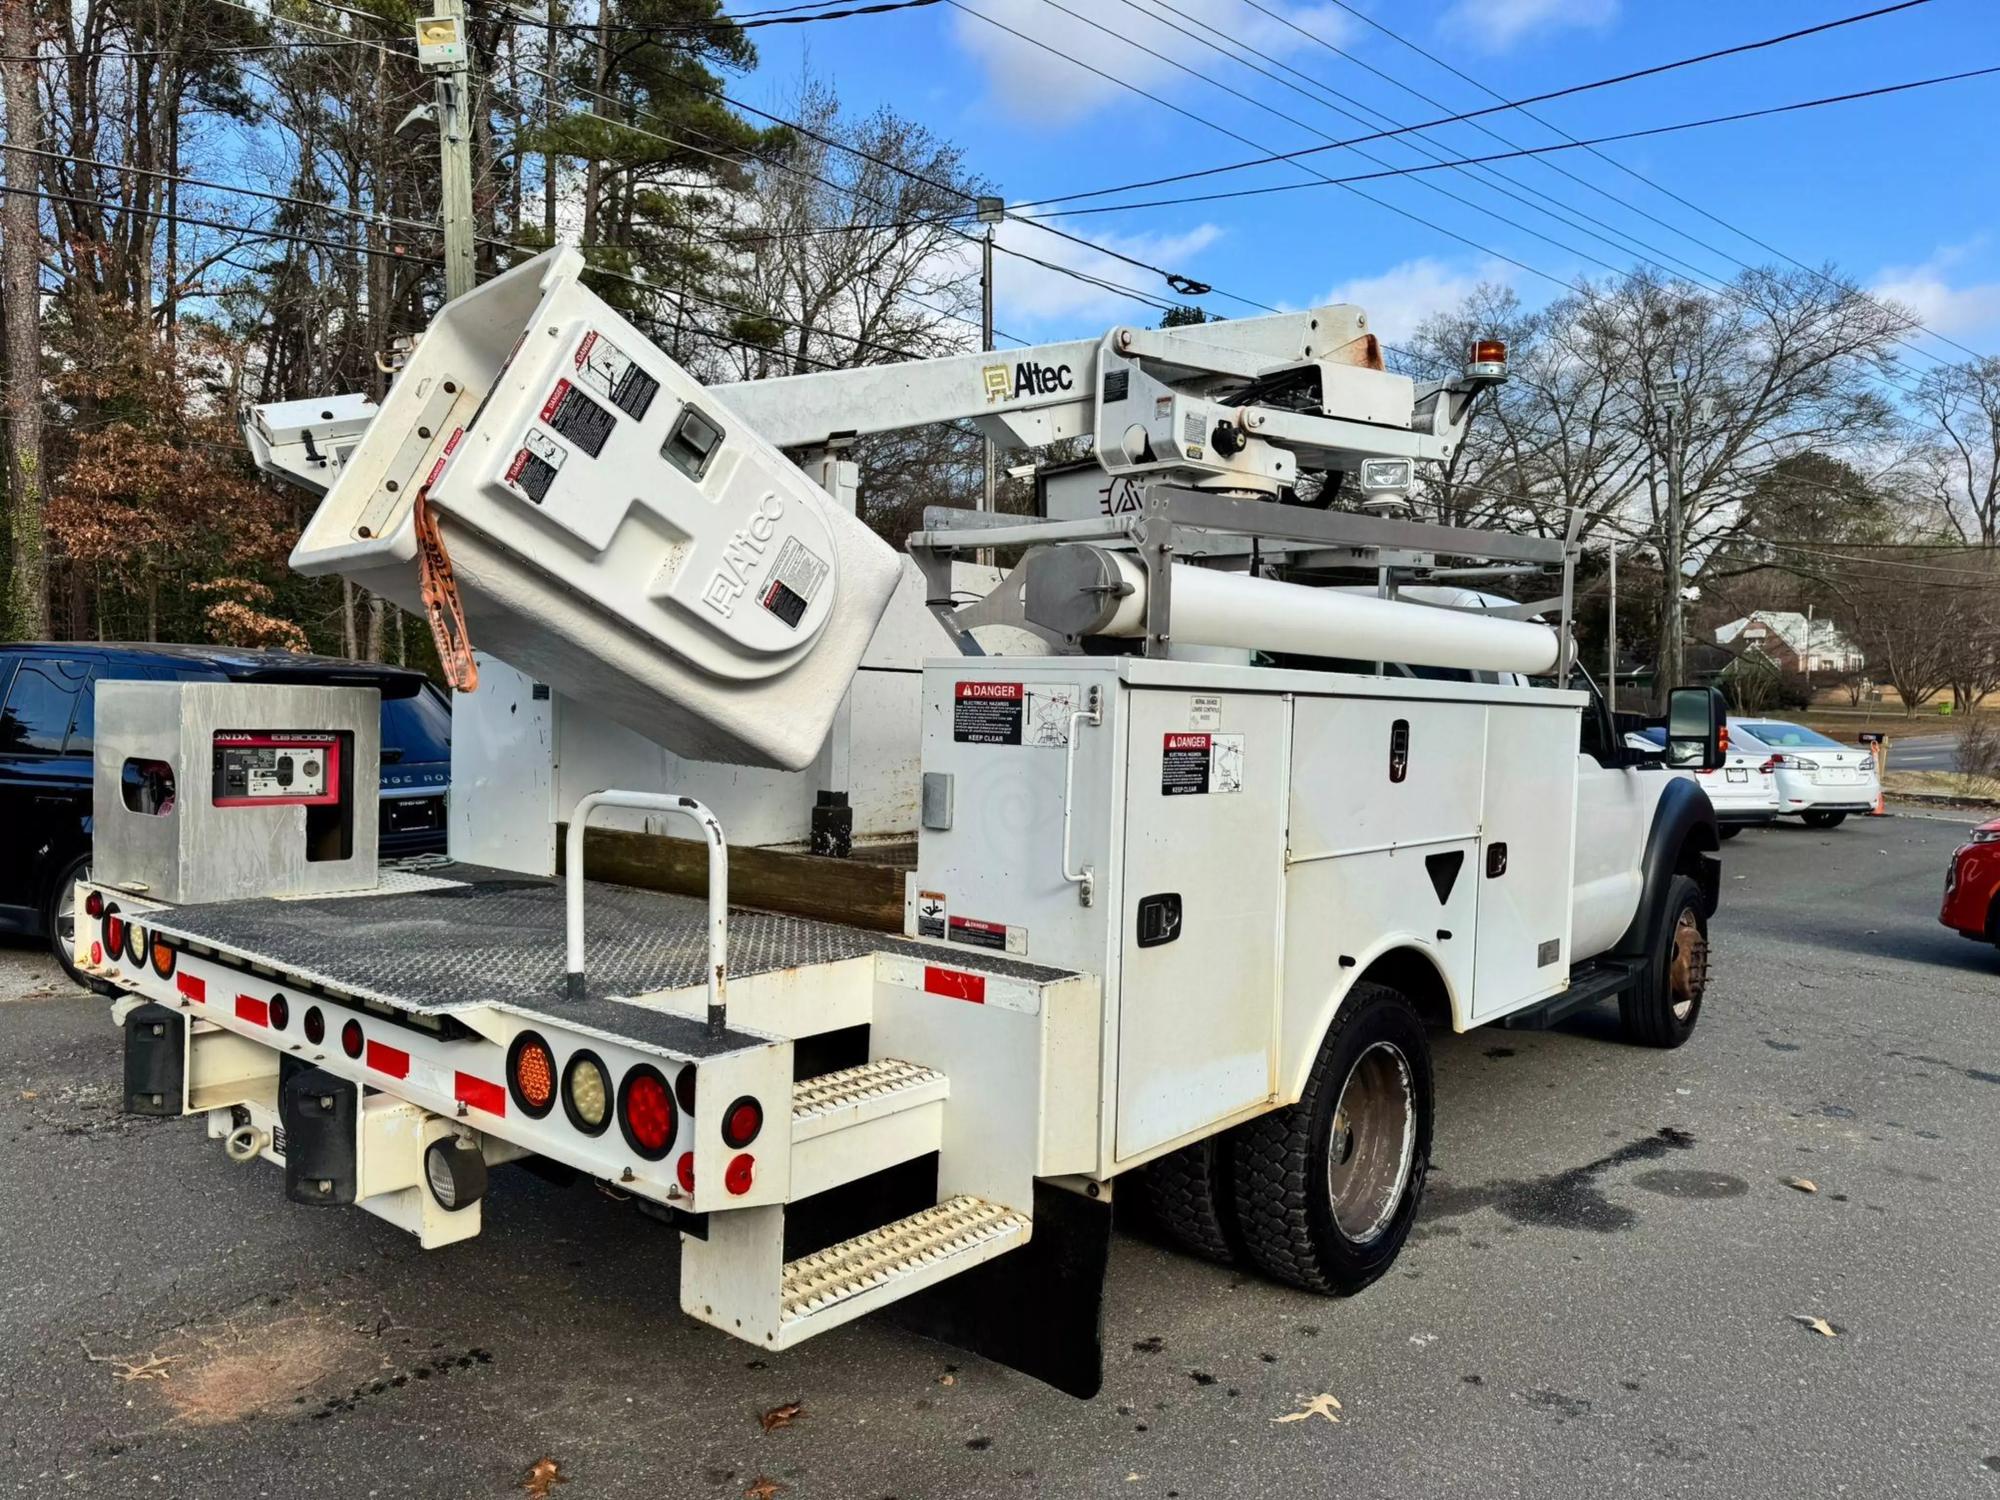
1972	888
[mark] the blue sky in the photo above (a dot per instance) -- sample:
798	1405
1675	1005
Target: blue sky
1898	192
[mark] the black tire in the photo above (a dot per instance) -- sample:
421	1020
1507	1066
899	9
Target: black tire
1286	1199
1823	819
58	922
1188	1194
1728	830
1662	1008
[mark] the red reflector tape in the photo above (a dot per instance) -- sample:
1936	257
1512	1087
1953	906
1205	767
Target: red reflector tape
193	988
396	1063
480	1094
250	1008
955	984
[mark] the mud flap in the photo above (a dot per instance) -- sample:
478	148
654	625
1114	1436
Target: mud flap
1038	1309
320	1113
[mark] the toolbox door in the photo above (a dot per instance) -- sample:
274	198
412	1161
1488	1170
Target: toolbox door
1202	925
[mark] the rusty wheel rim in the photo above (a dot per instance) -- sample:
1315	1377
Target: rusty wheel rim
1687	965
1372	1144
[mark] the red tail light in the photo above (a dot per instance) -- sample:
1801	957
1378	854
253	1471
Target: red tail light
315	1025
741	1124
93	904
684	1170
1772	764
646	1113
281	1012
738	1174
350	1039
114	931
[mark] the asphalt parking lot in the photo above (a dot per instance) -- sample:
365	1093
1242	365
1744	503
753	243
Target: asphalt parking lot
1610	1287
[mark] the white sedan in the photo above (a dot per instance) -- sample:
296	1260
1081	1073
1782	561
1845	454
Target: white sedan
1819	780
1744	793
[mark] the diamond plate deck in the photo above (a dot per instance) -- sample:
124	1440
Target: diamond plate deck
472	936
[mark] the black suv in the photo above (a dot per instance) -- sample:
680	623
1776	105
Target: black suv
48	706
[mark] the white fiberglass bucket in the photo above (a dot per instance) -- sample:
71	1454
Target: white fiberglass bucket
613	529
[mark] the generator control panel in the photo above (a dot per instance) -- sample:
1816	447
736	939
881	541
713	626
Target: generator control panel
276	768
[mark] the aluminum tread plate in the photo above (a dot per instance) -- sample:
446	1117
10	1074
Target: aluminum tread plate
492	937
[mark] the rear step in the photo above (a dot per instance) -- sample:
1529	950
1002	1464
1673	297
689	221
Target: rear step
844	1281
857	1121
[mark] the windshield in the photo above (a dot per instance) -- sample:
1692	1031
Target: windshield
1789	737
416	729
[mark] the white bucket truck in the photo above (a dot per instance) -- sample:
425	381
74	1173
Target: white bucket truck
1190	889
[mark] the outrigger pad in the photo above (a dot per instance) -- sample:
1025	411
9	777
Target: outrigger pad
321	1115
1038	1309
155	1060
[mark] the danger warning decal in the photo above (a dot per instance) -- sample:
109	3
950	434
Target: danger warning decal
795	578
1197	764
995	935
1013	713
444	460
536	465
578	418
604	367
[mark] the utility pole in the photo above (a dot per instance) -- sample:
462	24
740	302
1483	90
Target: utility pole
1809	652
1672	402
1611	636
27	605
992	211
445	52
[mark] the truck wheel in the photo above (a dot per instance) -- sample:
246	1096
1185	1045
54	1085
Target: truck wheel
59	922
1823	819
1188	1194
1326	1190
1661	1009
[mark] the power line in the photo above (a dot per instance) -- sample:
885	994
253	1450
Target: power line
1474	114
746	22
1411	171
1610	161
290	235
115	53
360	215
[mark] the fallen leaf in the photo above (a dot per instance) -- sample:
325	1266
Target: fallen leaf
781	1416
1803	1184
761	1488
947	1380
1817	1325
1321	1405
30	1094
543	1476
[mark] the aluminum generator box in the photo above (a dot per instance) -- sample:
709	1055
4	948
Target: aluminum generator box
217	791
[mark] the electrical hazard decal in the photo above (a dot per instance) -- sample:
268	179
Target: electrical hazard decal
579	420
1193	765
997	936
930	914
604	368
1013	713
795	577
536	464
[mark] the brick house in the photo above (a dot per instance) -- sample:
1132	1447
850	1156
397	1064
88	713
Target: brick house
1792	643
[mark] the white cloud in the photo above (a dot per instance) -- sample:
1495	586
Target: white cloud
1033	295
1401	297
1034	87
1928	291
1496	25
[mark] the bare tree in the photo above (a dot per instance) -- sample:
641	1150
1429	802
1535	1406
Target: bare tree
1958	410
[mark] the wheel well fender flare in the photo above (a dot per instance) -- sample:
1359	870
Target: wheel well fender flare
1403	962
1682	841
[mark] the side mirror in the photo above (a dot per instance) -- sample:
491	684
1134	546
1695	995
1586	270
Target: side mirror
1697	729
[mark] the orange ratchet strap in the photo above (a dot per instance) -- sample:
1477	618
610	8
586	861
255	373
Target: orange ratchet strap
440	592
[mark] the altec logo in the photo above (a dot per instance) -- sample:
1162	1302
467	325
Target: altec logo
740	555
1025	379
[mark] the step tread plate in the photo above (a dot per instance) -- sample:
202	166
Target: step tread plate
848	1096
833	1284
